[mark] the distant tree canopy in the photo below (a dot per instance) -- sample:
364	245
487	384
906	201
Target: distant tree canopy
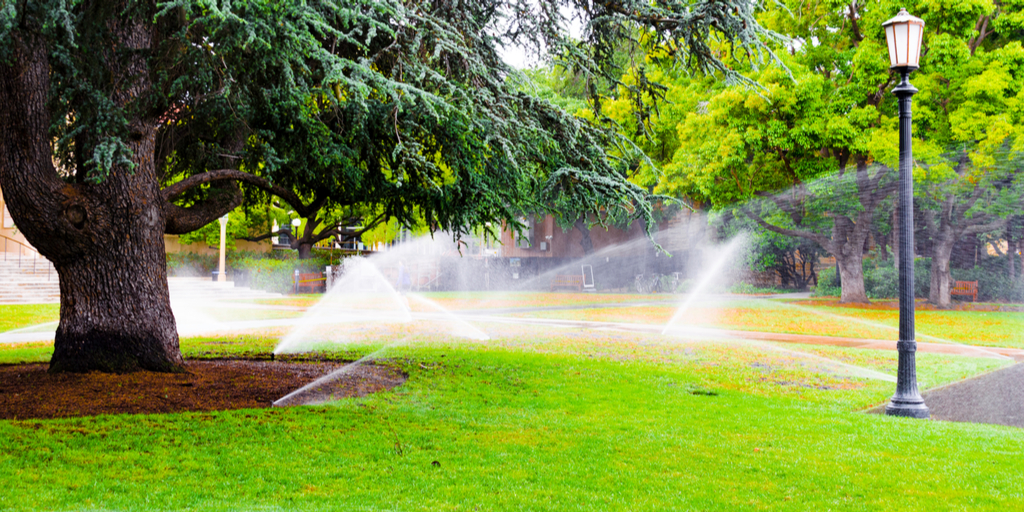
810	150
162	116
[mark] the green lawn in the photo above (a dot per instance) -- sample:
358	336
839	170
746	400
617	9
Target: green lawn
17	316
536	418
990	329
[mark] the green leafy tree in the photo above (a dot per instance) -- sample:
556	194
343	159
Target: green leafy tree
829	124
124	120
237	228
795	157
958	200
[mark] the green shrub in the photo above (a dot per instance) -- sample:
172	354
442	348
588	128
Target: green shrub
882	282
882	278
271	271
188	264
993	284
275	271
270	274
828	284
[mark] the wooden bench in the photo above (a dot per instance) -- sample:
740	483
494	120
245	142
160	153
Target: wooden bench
315	281
965	288
567	281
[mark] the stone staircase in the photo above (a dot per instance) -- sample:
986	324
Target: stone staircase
27	280
34	281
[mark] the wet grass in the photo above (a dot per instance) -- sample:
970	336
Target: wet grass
552	423
981	328
539	418
17	316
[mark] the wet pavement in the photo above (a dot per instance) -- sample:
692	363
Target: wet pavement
996	397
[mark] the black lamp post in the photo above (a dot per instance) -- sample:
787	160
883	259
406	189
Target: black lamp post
903	35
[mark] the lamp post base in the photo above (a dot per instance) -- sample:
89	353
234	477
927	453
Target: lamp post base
908	408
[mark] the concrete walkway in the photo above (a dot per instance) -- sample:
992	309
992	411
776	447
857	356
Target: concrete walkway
996	397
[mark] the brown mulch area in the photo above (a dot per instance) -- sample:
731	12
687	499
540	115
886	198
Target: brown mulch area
29	391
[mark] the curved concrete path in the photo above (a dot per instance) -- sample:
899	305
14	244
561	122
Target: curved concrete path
995	397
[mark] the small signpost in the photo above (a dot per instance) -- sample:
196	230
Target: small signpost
588	276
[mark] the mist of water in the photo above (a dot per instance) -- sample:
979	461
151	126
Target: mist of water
712	274
980	351
361	296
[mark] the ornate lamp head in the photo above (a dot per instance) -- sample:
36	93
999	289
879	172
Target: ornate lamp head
903	34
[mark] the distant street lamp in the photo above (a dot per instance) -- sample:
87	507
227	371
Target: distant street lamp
221	276
903	35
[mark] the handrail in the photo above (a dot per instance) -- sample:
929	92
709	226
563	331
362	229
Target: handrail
8	239
21	251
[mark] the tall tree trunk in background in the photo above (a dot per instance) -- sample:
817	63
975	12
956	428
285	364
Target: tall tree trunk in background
940	277
848	248
849	233
946	227
1010	249
105	240
585	242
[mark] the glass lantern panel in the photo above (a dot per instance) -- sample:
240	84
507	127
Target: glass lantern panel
914	44
890	38
901	37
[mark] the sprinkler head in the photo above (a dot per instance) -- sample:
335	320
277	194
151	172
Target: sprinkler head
271	356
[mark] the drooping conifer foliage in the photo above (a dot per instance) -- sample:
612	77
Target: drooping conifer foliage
122	121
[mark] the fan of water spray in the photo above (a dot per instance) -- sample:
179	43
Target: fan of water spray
711	275
458	327
363	295
313	393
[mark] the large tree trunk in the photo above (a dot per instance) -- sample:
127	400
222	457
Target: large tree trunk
848	248
585	242
939	280
115	313
105	240
851	271
305	250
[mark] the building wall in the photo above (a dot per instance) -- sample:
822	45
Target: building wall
11	240
173	246
678	233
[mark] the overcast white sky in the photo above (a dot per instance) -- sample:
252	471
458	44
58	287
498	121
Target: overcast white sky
519	58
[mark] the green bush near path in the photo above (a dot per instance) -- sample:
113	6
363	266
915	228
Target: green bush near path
271	271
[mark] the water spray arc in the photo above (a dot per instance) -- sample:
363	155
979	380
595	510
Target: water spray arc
714	272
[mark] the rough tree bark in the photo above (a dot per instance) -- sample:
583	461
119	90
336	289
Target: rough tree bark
105	240
585	242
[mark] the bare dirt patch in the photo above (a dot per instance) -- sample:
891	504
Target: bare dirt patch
29	391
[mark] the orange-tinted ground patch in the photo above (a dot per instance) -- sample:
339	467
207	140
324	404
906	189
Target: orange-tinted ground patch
919	305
